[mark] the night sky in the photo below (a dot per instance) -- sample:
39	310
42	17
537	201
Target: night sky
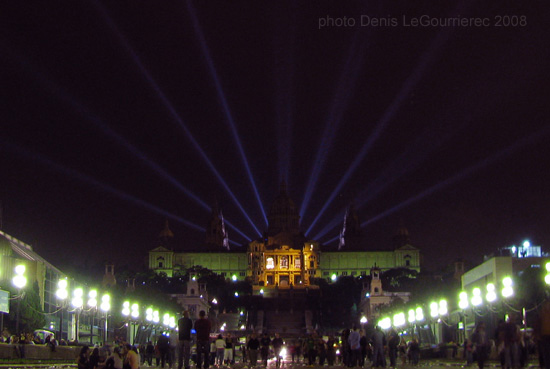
117	115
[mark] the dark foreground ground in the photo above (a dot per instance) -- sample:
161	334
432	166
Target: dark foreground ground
432	363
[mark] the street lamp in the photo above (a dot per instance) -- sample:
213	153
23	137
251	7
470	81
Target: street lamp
507	290
384	323
547	277
134	313
105	307
61	295
491	294
476	297
92	304
77	302
399	319
149	314
19	280
463	304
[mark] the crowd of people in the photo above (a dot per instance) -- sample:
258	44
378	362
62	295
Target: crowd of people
349	348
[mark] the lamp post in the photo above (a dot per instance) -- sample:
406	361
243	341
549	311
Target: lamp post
463	304
61	295
133	312
19	281
77	302
135	316
92	304
105	307
547	276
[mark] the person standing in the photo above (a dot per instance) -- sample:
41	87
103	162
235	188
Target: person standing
277	344
331	352
378	343
364	343
252	347
265	341
355	347
149	351
511	343
163	344
202	329
220	349
229	350
393	342
414	351
481	344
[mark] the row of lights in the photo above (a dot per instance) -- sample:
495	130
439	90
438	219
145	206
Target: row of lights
438	309
128	310
77	300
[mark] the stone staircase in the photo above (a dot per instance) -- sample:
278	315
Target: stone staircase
287	323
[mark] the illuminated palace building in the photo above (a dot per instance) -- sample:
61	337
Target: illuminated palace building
284	258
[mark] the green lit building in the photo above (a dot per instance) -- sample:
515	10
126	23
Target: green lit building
284	257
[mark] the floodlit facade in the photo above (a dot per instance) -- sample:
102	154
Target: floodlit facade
284	257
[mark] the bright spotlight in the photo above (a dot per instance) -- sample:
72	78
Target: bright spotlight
507	290
62	292
491	294
385	323
105	303
412	316
476	298
443	307
399	319
419	314
19	280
